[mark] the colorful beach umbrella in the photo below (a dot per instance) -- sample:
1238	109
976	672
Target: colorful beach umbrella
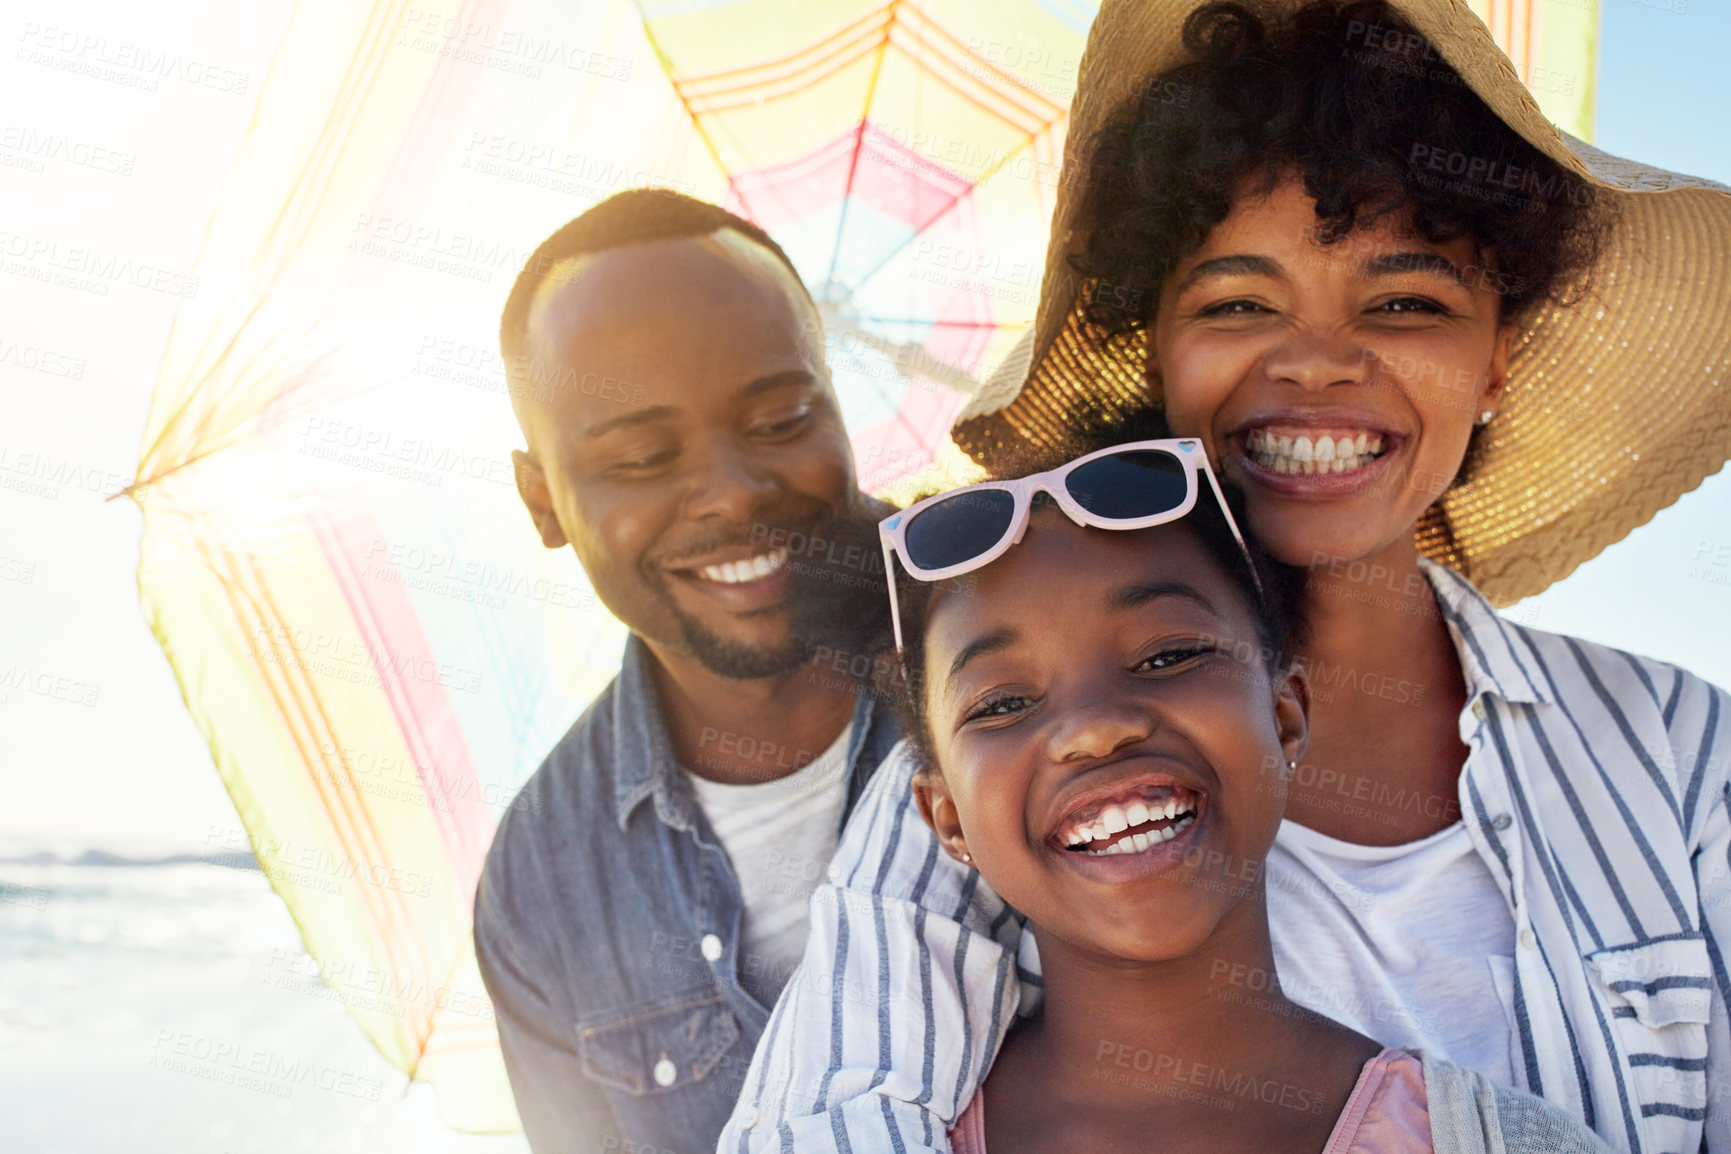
361	620
335	560
1554	46
906	156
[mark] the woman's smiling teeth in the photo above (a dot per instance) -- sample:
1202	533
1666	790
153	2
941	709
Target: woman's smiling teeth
1128	827
749	569
1283	450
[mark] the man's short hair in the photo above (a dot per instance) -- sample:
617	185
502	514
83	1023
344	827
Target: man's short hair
636	216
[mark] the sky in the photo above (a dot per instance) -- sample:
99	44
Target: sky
109	756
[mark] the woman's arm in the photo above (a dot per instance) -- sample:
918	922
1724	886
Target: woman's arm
908	984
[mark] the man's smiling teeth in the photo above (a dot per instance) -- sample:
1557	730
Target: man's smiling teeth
1115	819
750	569
1313	451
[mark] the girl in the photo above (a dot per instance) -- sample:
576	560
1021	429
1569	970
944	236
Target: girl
1116	769
1448	356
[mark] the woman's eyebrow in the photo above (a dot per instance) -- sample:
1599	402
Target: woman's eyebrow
980	646
1395	263
1239	264
1138	595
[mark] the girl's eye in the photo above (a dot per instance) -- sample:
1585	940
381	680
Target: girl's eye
1002	705
1233	309
1172	657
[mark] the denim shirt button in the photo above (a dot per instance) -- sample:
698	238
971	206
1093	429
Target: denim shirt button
664	1072
711	947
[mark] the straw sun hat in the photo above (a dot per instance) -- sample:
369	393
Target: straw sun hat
1615	406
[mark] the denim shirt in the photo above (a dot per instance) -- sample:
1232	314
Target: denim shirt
607	928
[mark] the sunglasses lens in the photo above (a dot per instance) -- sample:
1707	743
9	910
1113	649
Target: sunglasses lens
1131	485
958	529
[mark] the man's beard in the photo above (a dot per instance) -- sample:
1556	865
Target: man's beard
836	600
733	659
838	595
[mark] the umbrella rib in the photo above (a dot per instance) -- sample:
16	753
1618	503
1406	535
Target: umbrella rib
316	170
1007	87
793	67
172	424
859	139
206	447
696	124
302	712
944	211
1060	116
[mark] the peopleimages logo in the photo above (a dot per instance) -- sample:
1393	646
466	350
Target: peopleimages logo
34	150
123	61
523	52
89	269
38	359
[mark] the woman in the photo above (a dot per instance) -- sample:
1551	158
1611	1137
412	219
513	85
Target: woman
1503	847
1107	770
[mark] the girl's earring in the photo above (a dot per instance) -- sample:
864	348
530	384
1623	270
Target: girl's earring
967	859
1485	416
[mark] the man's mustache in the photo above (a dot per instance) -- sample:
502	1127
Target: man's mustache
759	532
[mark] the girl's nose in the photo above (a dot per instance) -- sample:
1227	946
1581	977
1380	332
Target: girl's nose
1099	725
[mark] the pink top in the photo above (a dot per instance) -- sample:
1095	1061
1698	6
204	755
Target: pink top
1386	1114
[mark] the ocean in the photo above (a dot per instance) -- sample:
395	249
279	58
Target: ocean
127	991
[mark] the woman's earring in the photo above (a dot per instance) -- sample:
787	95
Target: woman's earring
967	859
1485	416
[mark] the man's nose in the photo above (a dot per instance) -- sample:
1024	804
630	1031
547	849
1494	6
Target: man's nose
726	484
1313	360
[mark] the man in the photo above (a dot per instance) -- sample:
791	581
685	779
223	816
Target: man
645	900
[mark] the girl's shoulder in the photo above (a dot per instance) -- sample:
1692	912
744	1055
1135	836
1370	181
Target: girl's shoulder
1470	1114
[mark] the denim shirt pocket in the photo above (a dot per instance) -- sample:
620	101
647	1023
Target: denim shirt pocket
1660	994
662	1046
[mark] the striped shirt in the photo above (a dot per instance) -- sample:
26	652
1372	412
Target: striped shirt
1595	791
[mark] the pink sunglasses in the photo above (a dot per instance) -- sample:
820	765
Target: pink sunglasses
1132	486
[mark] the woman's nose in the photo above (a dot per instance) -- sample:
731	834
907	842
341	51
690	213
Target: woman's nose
1313	360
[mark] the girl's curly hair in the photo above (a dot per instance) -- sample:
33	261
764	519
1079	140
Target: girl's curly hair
1366	112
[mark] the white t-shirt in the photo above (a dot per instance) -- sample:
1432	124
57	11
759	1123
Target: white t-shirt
1422	925
779	835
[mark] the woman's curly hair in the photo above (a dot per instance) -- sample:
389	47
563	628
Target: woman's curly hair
1366	112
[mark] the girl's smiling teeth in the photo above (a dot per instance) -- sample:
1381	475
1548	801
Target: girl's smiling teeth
1288	449
1129	825
748	569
